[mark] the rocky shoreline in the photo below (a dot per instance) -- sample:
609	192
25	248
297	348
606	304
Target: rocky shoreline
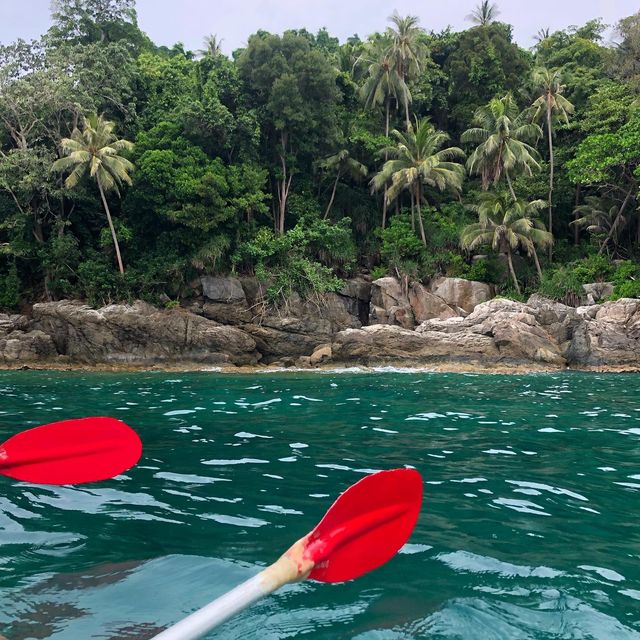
449	325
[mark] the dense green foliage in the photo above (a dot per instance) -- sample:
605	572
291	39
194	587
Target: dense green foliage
302	160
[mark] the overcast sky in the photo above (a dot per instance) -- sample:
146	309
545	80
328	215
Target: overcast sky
188	21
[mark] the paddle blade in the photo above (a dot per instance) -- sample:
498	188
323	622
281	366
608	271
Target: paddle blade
366	525
71	451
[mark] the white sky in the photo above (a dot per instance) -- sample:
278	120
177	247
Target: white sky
189	21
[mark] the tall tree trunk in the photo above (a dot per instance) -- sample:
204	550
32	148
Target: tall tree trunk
513	193
551	170
576	216
386	157
413	210
623	206
285	184
333	195
534	253
513	272
406	105
113	230
420	224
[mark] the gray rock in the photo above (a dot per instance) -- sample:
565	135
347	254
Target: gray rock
223	289
496	332
387	343
356	293
299	328
227	313
357	288
610	337
30	347
457	292
597	291
426	305
390	304
322	354
140	334
557	319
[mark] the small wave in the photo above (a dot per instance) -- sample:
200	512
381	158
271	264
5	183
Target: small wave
474	563
225	463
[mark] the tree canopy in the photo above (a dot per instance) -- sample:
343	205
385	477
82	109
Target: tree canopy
301	159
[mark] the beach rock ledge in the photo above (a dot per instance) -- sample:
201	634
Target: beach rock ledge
384	322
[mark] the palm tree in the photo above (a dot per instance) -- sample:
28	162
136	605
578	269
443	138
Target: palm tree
599	216
344	165
541	35
383	84
95	150
407	49
212	46
418	159
506	225
485	13
550	105
503	135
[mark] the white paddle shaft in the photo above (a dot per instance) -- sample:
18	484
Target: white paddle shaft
218	611
290	567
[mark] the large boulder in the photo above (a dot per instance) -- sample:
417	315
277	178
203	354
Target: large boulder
387	343
140	335
19	344
222	289
288	336
609	334
426	305
597	291
461	293
513	327
497	332
226	313
390	304
557	319
225	300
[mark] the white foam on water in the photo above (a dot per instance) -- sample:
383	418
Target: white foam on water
607	574
409	549
247	434
224	463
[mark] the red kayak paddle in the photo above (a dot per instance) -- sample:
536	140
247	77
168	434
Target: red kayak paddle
364	528
71	451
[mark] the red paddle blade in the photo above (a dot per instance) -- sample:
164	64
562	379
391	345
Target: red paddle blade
71	451
365	526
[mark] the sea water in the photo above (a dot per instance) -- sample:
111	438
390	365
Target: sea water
529	526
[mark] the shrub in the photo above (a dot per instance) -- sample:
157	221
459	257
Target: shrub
489	270
561	284
101	284
593	269
298	261
401	248
626	280
629	289
565	283
10	289
379	272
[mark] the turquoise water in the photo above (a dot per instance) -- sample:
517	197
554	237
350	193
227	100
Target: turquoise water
529	527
